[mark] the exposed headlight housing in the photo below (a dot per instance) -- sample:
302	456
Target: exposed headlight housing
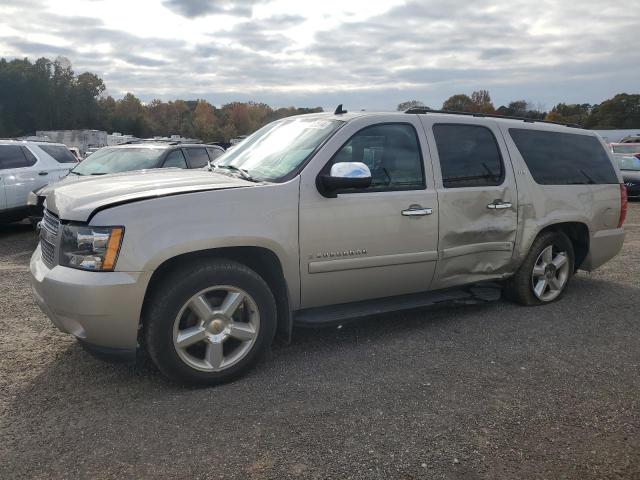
90	248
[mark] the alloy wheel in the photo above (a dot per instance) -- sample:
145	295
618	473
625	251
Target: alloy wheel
550	273
216	328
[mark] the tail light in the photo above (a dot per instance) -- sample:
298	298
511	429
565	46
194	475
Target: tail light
624	203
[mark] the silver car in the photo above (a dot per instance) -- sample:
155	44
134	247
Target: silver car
26	166
319	218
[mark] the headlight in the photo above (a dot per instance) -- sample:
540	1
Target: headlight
90	248
32	199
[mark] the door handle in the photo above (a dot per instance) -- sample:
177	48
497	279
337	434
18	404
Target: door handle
499	205
43	173
416	211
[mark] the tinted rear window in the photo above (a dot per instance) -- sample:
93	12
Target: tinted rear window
198	157
60	153
555	158
11	156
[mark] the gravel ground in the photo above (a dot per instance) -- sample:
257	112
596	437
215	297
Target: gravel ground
491	391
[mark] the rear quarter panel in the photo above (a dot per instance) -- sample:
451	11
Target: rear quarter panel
540	206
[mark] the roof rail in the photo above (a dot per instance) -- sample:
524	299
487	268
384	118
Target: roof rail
424	110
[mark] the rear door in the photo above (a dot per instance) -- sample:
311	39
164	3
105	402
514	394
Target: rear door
58	163
375	242
477	197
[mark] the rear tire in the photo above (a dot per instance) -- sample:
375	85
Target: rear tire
545	273
209	323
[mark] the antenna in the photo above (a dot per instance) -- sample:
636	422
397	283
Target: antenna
339	110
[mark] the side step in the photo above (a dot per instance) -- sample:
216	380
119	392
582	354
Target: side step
468	295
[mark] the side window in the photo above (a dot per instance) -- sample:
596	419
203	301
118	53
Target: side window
469	156
12	156
31	158
175	159
198	157
214	153
557	158
392	153
59	153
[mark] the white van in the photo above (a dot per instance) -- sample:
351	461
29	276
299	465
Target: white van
26	166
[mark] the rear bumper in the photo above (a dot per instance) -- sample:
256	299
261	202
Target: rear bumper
604	245
101	309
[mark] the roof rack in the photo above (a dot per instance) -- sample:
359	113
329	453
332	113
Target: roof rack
423	110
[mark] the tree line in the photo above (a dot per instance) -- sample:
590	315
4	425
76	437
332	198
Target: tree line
620	112
48	95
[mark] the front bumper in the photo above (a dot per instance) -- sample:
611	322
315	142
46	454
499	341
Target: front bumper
102	309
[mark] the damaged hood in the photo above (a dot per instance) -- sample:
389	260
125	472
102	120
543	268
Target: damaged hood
76	200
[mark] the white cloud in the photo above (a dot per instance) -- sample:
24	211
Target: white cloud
362	53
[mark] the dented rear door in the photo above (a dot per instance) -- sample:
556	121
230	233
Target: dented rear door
477	199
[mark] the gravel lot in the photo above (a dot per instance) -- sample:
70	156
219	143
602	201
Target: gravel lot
495	391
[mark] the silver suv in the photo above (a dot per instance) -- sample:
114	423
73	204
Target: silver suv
25	166
318	218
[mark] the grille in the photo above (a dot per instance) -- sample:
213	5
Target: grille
48	238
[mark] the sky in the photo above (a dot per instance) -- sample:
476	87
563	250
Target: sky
365	54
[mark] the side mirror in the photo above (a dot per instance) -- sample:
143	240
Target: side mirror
345	175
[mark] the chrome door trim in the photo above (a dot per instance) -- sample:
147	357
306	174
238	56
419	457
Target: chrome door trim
325	266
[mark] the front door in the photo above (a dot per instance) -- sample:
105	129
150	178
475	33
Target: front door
478	200
375	242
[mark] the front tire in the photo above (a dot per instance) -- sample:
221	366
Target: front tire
209	323
545	273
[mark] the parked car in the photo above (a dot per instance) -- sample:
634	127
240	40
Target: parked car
631	139
630	168
625	148
25	166
126	158
318	218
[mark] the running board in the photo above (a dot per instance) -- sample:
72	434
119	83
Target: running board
469	295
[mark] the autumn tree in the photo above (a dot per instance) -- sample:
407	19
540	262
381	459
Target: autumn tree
481	102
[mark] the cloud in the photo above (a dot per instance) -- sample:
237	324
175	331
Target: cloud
323	53
198	8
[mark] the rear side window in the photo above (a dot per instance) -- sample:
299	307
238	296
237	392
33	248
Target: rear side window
59	153
198	157
214	152
469	156
556	158
12	156
175	159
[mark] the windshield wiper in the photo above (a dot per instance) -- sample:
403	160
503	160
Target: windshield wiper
76	173
241	171
99	173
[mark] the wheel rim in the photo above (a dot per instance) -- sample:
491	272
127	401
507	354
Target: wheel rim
216	328
550	273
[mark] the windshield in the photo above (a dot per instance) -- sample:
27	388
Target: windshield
114	160
630	148
279	148
629	163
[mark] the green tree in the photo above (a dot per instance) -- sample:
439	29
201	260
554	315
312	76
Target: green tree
409	104
458	103
621	111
